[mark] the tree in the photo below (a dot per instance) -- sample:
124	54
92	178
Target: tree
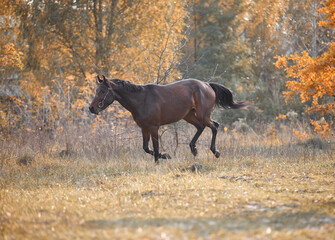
10	53
264	23
11	63
57	47
215	48
313	78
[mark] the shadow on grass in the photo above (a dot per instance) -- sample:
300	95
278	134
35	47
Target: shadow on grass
278	221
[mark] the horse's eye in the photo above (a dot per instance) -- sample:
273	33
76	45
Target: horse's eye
103	91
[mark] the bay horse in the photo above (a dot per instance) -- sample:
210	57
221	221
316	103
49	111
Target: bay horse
154	105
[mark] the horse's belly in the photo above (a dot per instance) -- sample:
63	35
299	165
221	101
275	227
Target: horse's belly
174	112
171	119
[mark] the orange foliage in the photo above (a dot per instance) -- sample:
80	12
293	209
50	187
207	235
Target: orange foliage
301	135
322	127
155	40
57	67
281	116
10	56
313	78
329	10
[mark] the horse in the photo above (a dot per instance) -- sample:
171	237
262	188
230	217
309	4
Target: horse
154	105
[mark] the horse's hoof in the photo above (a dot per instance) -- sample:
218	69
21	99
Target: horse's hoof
195	152
217	154
166	156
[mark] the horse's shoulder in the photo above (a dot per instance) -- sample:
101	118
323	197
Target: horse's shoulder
151	89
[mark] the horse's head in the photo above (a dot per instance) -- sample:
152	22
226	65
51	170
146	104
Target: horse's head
104	96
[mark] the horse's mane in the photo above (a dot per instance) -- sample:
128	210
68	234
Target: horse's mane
128	86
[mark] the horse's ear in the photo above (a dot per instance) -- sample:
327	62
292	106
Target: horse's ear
99	80
103	78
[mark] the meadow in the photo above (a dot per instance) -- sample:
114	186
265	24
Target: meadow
77	184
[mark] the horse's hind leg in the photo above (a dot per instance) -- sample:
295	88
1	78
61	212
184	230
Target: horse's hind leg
191	118
214	127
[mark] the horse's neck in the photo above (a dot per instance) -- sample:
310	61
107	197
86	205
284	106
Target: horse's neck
130	100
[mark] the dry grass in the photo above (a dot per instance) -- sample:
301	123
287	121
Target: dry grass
262	187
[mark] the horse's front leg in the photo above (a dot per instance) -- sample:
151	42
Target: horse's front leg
155	144
146	138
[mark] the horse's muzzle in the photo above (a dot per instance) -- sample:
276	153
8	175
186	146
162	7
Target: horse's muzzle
92	110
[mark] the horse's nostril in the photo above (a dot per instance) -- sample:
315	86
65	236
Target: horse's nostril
91	109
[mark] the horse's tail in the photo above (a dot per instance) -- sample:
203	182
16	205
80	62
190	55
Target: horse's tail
224	97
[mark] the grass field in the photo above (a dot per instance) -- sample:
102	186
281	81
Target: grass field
262	187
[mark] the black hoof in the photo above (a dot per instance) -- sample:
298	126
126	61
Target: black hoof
194	152
165	156
217	154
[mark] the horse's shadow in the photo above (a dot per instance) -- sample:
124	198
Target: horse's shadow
285	220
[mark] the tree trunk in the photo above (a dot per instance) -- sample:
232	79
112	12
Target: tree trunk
314	28
97	13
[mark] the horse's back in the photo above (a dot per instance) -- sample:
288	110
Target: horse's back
183	90
189	83
175	100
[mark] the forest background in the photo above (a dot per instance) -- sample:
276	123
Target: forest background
278	55
66	173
